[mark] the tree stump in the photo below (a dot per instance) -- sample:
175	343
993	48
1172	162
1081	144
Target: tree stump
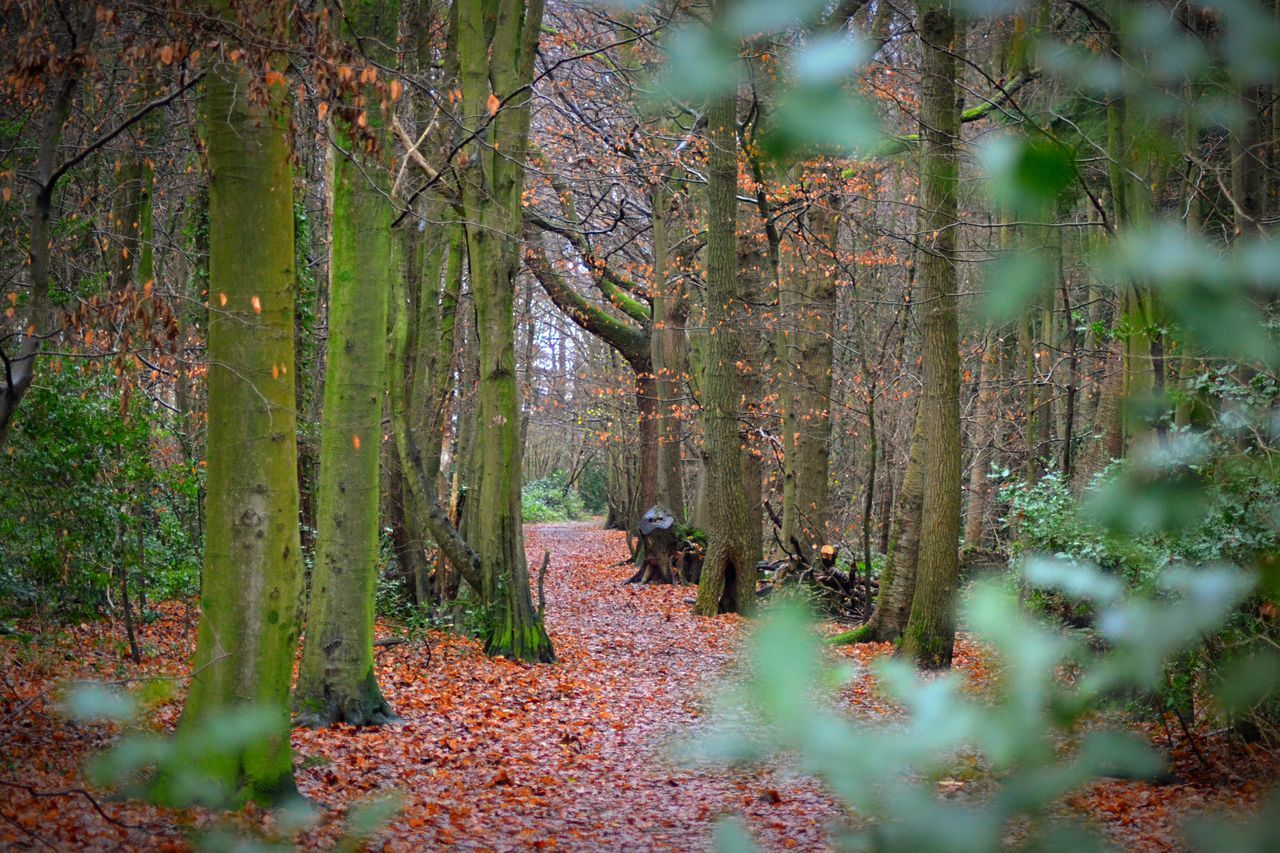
659	548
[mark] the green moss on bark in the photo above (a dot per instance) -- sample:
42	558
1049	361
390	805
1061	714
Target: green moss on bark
252	565
336	681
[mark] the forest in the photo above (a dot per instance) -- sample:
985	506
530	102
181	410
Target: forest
640	424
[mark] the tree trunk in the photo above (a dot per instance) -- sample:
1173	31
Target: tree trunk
983	439
252	578
898	580
809	309
412	341
728	582
336	682
669	353
754	361
929	637
496	47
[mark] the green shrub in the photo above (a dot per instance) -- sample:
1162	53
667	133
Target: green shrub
1046	519
593	488
551	499
90	488
1195	499
1032	739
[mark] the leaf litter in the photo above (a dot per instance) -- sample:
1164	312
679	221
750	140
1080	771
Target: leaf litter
492	754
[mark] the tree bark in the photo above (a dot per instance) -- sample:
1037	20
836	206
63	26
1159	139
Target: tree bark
496	50
669	355
983	440
728	582
252	578
336	681
929	637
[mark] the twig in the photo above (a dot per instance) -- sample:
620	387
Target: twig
69	792
34	837
119	682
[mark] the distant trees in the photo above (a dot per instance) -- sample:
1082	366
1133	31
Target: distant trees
806	343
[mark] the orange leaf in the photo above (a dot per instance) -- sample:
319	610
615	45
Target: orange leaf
494	104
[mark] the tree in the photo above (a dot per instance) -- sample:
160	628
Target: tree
806	343
630	335
983	441
902	557
929	636
336	681
728	582
496	47
669	352
252	576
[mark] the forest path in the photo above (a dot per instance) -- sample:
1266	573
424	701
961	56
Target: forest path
494	754
498	755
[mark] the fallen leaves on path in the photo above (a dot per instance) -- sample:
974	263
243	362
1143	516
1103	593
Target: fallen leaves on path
494	754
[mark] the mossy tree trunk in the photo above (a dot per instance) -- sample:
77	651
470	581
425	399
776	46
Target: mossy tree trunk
728	582
425	360
252	578
425	297
336	682
496	46
929	638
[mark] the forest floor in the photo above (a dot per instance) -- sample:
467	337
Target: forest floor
492	754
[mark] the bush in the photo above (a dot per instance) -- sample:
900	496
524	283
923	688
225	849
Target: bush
593	488
1194	500
551	499
1027	736
91	488
1048	520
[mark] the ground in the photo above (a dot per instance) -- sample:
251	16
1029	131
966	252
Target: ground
492	754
